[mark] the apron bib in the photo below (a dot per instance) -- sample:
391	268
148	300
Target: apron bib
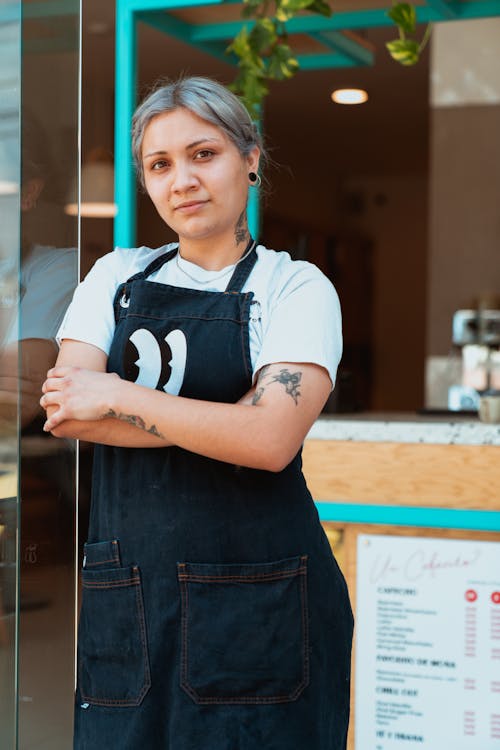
214	615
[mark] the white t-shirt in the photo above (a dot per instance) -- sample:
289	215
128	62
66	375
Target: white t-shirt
47	283
294	317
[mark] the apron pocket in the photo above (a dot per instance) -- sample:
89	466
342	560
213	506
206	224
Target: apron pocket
112	645
244	631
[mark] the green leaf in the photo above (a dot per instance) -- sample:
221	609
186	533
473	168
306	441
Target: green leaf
252	89
251	7
320	7
404	51
263	35
282	63
404	16
240	44
286	9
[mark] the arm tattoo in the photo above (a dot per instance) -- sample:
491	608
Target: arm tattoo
135	420
291	381
241	229
257	396
259	387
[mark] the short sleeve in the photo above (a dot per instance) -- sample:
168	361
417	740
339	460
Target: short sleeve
90	316
304	324
41	313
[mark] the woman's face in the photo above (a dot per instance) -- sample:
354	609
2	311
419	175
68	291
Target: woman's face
195	175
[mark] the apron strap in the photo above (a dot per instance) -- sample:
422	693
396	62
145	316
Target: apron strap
242	270
236	282
155	265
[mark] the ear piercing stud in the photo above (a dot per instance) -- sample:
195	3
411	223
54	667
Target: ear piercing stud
255	179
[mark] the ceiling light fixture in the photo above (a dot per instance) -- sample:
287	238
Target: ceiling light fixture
8	187
350	96
97	196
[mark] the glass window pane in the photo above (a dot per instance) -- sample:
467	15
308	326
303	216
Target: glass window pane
49	273
10	67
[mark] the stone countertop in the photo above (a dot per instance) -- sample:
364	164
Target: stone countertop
405	428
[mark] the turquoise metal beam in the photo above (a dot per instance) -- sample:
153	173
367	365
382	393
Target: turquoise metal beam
181	30
393	515
140	6
305	24
444	9
338	42
323	60
253	212
125	99
349	20
481	9
253	205
209	38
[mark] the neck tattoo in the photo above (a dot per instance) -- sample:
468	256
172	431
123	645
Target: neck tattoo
241	229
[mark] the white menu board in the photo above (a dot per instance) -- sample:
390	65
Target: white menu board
427	644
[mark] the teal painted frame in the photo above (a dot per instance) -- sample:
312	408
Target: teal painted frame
128	14
397	515
212	38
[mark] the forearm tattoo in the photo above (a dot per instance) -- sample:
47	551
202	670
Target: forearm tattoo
291	381
241	229
135	420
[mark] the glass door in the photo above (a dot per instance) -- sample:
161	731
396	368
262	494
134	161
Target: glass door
39	158
10	159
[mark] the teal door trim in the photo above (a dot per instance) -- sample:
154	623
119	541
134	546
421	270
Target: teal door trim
394	515
340	51
125	101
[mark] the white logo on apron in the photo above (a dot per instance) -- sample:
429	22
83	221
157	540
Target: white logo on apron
153	361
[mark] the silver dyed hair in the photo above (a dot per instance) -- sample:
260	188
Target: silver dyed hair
206	98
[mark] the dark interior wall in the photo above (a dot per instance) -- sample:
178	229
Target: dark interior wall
465	217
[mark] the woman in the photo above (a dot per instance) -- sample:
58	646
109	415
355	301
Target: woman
214	615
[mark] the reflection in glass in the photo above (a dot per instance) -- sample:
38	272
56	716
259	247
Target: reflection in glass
49	272
10	65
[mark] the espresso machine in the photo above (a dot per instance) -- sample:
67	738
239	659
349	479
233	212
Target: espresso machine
476	332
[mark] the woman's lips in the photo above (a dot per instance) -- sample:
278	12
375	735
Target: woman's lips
191	207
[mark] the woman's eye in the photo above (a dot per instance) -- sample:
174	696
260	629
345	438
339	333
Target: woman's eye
159	165
204	154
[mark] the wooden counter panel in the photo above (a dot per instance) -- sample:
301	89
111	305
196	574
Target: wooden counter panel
456	476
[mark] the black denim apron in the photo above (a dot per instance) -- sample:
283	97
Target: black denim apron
214	616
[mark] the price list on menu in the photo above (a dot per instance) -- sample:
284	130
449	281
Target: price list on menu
427	644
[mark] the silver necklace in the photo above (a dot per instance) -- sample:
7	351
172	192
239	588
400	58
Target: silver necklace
213	278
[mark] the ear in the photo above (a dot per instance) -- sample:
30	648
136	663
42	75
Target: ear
253	159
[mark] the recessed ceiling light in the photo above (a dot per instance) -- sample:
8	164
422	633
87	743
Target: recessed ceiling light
99	28
350	96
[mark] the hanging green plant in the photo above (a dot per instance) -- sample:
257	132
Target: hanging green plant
264	53
406	50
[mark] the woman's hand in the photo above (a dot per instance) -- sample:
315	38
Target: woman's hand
78	393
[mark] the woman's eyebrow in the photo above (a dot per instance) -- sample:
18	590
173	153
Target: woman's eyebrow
188	147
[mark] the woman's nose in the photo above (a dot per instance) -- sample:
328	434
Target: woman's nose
184	178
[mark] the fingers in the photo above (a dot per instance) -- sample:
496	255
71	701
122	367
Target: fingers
53	384
61	372
53	421
49	399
